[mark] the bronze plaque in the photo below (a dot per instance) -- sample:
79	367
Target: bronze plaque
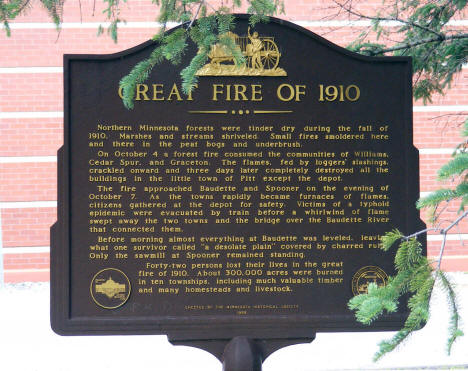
252	206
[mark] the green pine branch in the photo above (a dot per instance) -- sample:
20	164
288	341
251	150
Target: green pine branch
454	325
390	238
55	10
9	10
204	32
457	166
438	51
203	23
415	274
418	305
456	169
436	197
172	47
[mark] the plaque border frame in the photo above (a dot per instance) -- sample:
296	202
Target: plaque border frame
180	328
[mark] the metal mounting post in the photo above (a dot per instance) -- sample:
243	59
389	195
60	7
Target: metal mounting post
242	351
242	354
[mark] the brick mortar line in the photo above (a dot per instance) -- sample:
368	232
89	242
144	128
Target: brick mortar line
30	115
26	250
455	236
85	25
450	257
27	204
32	70
27	270
445	108
26	159
150	24
57	69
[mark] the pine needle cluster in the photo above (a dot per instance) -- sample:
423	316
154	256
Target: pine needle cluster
438	53
413	277
416	276
10	9
204	26
423	32
202	22
112	13
456	171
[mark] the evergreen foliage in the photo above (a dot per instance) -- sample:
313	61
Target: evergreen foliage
389	239
456	166
112	12
454	325
416	277
55	10
438	53
457	171
171	47
10	10
423	32
204	23
205	29
415	274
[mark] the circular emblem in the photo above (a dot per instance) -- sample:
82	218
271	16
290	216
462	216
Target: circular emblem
110	288
366	275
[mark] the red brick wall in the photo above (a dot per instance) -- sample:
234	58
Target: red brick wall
31	127
44	136
28	226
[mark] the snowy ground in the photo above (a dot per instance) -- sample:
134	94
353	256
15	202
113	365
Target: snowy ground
28	344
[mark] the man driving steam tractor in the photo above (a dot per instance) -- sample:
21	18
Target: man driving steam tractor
261	53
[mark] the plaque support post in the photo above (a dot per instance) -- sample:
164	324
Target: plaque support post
242	354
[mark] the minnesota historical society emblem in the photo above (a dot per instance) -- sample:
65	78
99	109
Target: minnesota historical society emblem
366	275
110	288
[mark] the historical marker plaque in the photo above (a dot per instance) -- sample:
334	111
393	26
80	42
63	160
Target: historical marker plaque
252	205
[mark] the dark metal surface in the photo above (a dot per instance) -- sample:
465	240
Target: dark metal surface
91	83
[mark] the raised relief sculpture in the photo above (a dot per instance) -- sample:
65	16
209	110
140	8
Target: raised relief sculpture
261	53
